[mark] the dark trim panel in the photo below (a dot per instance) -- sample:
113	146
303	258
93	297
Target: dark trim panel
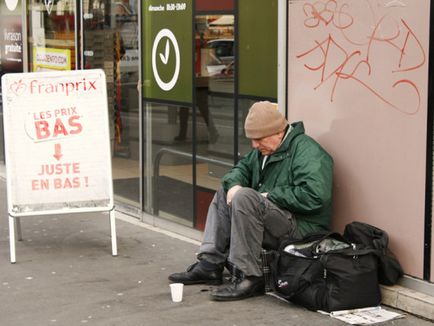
257	98
429	158
236	81
169	102
194	115
287	60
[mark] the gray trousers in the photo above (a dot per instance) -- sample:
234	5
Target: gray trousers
238	232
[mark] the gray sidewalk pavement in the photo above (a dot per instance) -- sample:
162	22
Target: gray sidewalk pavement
65	275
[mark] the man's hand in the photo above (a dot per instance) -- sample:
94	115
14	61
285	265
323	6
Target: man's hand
231	193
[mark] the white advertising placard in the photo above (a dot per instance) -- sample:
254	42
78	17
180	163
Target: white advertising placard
57	142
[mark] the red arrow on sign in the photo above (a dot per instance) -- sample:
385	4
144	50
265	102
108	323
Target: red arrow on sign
57	152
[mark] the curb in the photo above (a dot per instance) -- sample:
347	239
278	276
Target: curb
408	300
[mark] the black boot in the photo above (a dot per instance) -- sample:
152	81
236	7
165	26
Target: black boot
200	273
243	288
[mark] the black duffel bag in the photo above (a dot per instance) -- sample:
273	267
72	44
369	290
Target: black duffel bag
389	268
323	271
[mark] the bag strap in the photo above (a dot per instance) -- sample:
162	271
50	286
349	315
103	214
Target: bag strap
314	237
349	252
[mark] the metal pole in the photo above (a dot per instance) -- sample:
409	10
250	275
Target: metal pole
113	233
12	239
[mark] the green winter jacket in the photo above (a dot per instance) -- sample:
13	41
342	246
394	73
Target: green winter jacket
298	177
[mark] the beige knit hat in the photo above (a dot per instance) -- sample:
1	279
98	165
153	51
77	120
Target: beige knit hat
264	119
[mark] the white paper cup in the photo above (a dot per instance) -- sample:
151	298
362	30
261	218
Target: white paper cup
176	289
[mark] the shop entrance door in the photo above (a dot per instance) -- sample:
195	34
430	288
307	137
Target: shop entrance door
193	127
110	42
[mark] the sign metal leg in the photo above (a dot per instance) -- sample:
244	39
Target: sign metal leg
12	239
113	233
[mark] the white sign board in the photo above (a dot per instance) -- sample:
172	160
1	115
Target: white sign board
57	142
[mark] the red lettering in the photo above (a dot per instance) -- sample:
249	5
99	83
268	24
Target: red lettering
59	128
73	123
57	183
69	87
45	129
75	167
42	115
60	168
75	182
65	111
92	84
42	131
66	87
66	183
40	184
32	85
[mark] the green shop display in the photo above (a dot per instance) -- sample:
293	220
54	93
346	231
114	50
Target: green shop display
258	48
167	50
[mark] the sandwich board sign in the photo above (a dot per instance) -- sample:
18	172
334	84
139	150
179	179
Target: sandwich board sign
57	145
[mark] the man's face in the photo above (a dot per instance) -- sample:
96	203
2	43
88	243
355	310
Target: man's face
268	145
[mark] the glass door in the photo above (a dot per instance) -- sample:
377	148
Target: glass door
110	42
188	104
215	72
193	110
52	35
167	90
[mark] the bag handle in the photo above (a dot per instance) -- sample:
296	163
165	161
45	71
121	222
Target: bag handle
314	237
345	252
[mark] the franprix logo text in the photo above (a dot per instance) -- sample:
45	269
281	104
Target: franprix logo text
66	88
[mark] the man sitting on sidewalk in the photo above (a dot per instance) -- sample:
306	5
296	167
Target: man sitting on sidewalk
281	190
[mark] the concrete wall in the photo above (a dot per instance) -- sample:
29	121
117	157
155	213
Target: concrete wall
357	76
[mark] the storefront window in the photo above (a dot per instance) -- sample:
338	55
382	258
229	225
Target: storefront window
257	73
193	111
11	49
52	35
190	133
167	96
110	37
215	71
171	175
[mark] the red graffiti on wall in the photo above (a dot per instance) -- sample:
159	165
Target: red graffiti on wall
340	57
